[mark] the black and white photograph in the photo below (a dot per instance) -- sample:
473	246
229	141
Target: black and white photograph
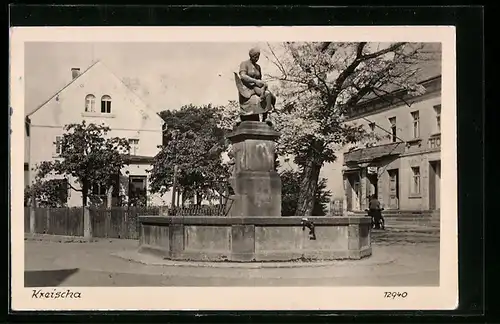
255	165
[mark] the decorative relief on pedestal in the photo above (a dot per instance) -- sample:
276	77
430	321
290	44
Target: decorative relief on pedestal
257	186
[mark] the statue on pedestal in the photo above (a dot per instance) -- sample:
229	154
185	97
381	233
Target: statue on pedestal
254	96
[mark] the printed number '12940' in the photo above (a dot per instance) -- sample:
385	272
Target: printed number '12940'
394	294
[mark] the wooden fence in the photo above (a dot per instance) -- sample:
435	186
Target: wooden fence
118	222
115	222
104	223
56	221
27	219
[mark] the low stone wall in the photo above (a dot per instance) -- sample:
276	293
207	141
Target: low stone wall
254	238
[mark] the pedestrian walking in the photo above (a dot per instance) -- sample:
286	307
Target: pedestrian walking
375	211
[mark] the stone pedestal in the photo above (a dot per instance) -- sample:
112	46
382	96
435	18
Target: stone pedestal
257	186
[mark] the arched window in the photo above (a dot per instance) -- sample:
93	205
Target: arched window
90	103
106	104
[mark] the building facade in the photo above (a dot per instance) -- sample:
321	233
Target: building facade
97	96
403	168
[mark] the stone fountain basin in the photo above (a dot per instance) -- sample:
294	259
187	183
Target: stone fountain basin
247	239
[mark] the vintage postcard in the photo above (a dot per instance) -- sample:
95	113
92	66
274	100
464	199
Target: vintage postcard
233	168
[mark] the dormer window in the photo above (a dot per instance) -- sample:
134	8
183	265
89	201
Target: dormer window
90	103
106	104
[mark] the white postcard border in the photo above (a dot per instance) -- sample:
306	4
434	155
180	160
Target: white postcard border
242	298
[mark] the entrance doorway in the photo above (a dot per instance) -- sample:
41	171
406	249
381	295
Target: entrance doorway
137	191
393	189
353	191
372	181
434	185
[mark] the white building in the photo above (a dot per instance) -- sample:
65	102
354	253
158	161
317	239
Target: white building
97	96
403	168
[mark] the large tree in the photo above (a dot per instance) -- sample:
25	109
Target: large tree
46	192
319	84
87	155
194	142
290	182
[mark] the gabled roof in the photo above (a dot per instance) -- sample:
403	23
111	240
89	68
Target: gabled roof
62	89
132	91
80	75
427	69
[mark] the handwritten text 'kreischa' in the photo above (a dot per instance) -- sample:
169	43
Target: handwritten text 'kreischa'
55	294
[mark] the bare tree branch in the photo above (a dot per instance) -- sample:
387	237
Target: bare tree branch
358	96
325	46
359	51
350	69
69	185
321	79
278	63
391	48
297	60
362	58
301	91
272	77
370	87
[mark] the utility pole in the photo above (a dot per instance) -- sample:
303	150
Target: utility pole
176	171
174	187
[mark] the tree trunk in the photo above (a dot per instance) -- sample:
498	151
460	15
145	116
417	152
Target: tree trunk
199	198
308	185
85	192
109	197
183	198
223	198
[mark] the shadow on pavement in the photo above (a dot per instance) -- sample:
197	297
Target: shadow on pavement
47	278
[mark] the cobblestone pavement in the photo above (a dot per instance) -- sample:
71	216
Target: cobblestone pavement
398	260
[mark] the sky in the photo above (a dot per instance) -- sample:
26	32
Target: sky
166	75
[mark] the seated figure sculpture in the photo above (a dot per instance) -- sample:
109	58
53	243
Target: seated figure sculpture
255	99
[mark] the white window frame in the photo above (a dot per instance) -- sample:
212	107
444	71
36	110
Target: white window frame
58	146
437	110
416	181
107	100
393	122
416	124
101	190
134	146
90	103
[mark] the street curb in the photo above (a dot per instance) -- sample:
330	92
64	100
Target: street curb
58	238
150	260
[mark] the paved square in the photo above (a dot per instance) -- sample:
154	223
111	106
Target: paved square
399	259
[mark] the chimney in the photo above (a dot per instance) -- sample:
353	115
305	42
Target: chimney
75	72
